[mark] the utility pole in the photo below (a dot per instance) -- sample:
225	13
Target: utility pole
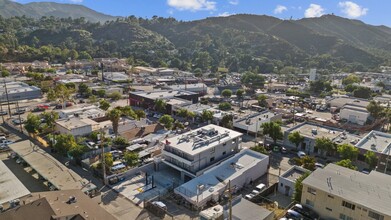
102	136
20	120
8	101
230	199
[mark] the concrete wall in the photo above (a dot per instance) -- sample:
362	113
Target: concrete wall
353	116
81	131
331	206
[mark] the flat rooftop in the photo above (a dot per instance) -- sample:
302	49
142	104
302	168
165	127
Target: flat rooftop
368	190
215	179
252	119
198	140
341	101
178	101
73	123
376	141
294	173
188	86
198	107
244	209
50	168
163	94
308	130
10	186
355	108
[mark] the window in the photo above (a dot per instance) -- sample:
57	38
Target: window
344	217
224	143
224	153
328	209
212	159
348	205
309	202
311	190
212	151
281	184
330	196
376	216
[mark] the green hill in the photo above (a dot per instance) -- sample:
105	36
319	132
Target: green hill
39	9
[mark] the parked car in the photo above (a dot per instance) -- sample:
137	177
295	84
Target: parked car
5	142
261	187
318	165
17	121
20	111
250	196
38	109
365	170
306	211
301	154
2	113
291	214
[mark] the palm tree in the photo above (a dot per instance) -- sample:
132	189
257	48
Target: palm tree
114	115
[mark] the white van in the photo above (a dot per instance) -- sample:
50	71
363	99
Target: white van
261	187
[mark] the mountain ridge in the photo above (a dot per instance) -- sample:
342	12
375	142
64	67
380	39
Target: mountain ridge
62	10
238	41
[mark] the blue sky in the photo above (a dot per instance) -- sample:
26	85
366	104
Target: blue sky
370	11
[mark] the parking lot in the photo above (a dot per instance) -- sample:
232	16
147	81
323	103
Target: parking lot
24	174
134	187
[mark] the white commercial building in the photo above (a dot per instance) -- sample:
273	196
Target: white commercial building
76	126
251	124
354	114
379	143
337	192
241	170
194	152
286	182
90	111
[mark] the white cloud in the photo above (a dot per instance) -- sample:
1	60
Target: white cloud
280	9
234	2
192	5
225	14
314	11
352	10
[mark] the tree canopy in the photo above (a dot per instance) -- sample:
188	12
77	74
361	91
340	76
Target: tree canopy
296	138
272	129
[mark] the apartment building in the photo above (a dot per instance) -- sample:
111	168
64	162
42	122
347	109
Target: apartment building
194	152
336	192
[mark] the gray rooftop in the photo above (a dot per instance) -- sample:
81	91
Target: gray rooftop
294	172
316	131
355	108
10	186
243	209
369	190
163	94
48	167
188	86
341	101
252	119
197	107
201	139
217	178
74	123
376	141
